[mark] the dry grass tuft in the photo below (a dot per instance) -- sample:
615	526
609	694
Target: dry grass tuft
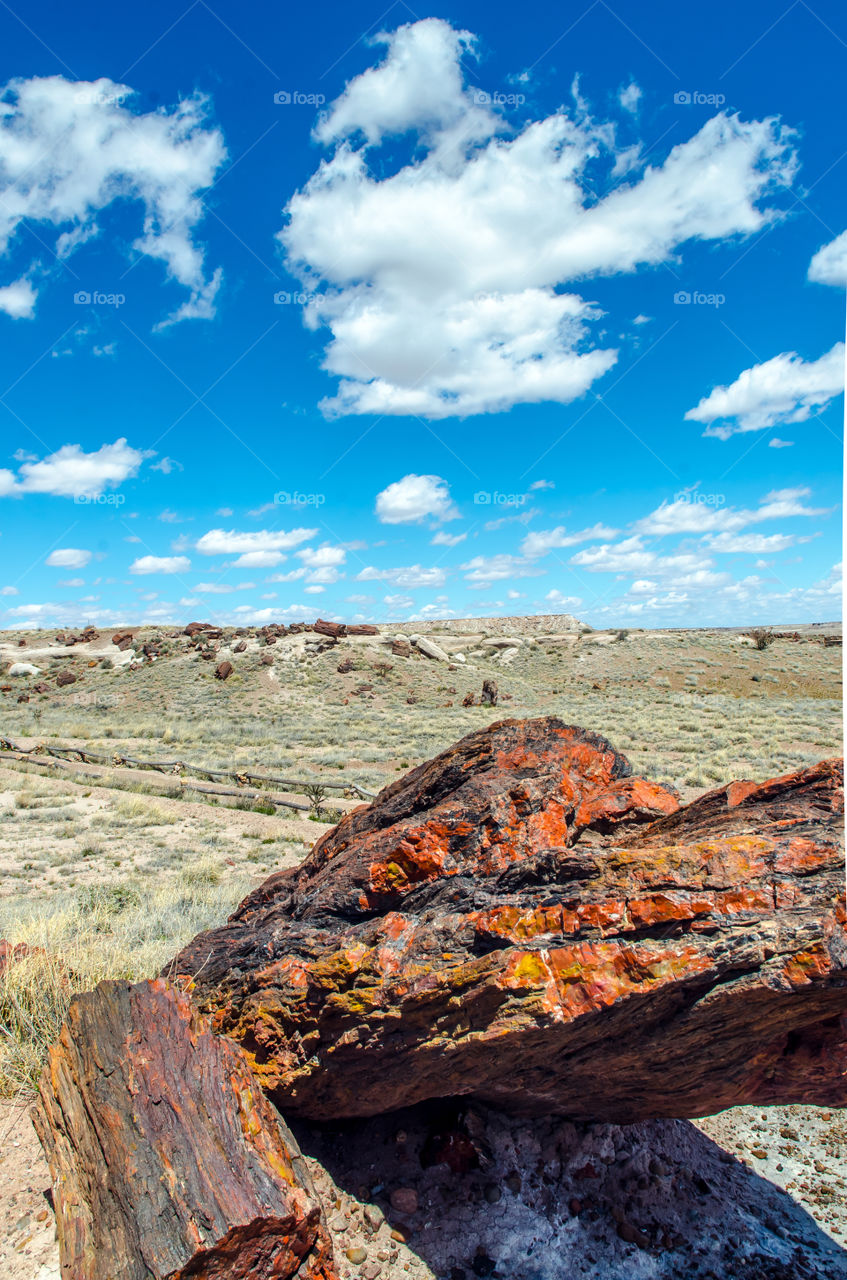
128	929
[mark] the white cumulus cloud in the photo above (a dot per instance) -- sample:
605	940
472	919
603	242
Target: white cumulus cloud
829	265
441	282
415	498
407	576
70	149
784	389
252	545
68	558
444	539
70	472
544	540
160	564
18	299
481	571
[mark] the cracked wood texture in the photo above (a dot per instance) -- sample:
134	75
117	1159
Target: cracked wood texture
167	1159
523	921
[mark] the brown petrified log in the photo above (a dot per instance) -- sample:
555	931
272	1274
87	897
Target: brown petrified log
333	629
167	1159
506	922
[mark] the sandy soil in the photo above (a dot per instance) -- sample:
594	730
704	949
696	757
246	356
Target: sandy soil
28	1248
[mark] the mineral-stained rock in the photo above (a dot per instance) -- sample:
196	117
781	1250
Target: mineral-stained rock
489	693
166	1158
223	670
333	629
506	922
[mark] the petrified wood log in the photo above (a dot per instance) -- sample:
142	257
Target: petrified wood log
502	923
167	1159
332	629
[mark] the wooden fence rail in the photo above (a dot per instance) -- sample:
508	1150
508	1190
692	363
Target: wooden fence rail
242	777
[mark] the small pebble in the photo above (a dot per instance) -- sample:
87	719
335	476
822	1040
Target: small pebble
374	1216
356	1256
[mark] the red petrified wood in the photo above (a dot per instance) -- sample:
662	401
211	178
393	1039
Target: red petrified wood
523	921
167	1159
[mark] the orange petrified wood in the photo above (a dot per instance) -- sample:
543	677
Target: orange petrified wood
523	921
167	1159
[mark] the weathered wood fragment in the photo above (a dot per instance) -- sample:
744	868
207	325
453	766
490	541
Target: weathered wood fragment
167	1159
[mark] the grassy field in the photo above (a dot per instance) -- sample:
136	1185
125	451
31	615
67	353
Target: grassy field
108	872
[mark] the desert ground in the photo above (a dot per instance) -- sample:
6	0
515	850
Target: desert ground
108	868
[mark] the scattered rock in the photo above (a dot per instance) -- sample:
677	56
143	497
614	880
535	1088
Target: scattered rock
374	1216
632	1235
430	649
65	678
489	694
24	669
223	670
404	1200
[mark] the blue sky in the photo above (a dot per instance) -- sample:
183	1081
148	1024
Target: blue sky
382	313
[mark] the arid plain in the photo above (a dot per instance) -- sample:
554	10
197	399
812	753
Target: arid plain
109	867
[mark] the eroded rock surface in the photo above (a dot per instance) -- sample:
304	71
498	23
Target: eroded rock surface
522	921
